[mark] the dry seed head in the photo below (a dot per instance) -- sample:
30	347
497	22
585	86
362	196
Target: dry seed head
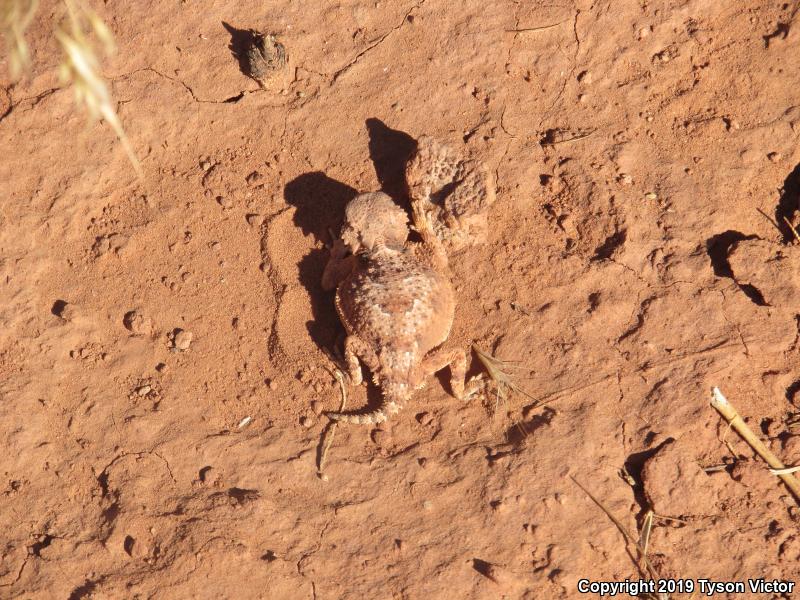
82	68
15	16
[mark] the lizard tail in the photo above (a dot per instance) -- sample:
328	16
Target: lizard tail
393	400
368	418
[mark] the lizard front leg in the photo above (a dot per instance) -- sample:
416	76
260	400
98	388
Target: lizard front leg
339	266
431	250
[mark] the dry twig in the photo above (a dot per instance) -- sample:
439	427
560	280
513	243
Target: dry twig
330	429
731	416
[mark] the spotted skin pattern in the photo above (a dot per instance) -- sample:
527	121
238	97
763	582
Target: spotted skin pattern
396	302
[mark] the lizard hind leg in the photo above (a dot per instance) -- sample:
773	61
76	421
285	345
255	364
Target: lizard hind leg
456	359
355	349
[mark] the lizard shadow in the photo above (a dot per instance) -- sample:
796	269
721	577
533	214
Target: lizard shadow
241	40
320	203
389	150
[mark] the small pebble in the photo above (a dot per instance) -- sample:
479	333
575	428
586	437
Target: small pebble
224	201
317	407
424	418
774	156
162	368
306	421
254	220
182	339
253	177
427	505
272	384
137	323
143	390
625	179
651	196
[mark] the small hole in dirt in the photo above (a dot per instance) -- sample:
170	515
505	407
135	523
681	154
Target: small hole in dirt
43	543
128	545
242	496
594	301
102	480
545	179
58	307
482	567
203	473
269	556
610	245
792	392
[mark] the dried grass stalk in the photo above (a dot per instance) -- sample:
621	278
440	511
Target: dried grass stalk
15	16
330	430
80	66
730	414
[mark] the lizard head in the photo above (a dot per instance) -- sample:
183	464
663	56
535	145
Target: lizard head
373	219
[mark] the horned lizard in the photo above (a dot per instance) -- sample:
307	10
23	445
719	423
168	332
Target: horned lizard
457	192
396	302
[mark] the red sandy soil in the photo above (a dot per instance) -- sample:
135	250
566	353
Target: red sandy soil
641	150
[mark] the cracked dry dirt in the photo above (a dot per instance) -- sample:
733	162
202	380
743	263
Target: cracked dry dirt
641	149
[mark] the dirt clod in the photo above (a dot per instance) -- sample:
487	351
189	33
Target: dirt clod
182	339
265	56
138	323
